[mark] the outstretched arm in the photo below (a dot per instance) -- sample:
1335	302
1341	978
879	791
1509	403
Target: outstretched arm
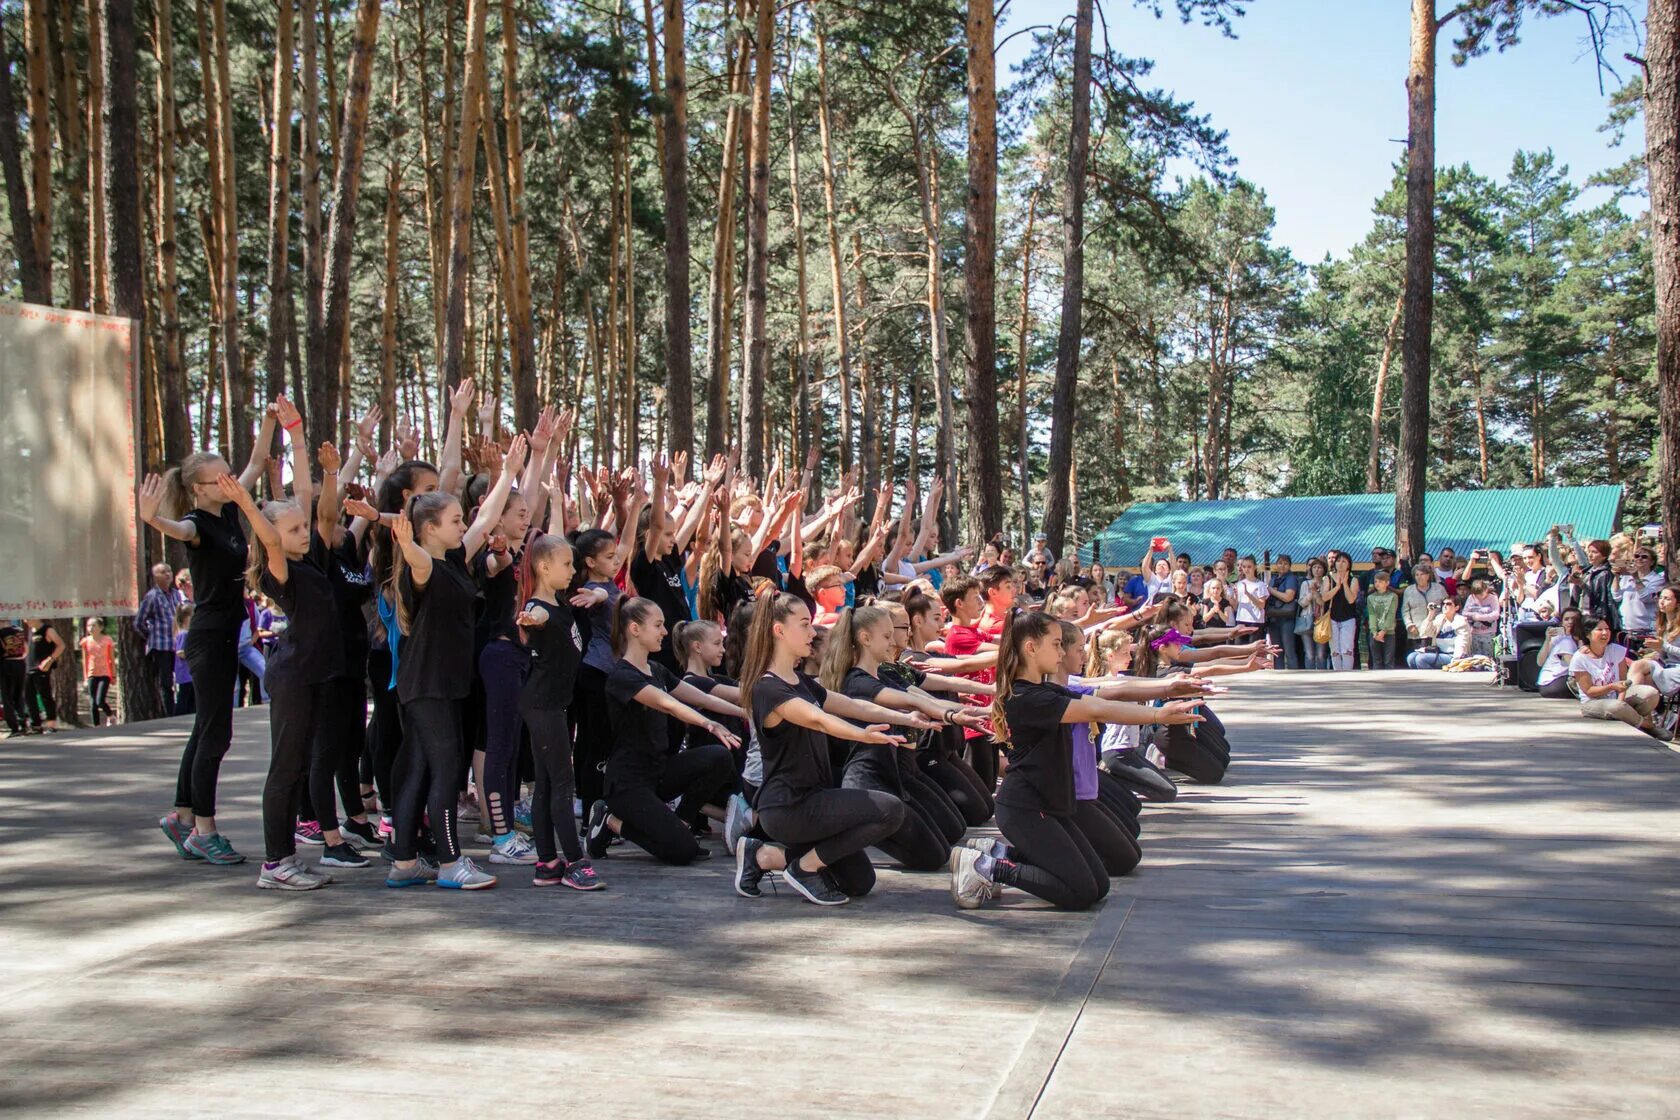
253	472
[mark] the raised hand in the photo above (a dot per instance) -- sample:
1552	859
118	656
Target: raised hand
543	434
408	442
388	462
679	467
461	399
355	507
228	489
151	497
716	471
661	470
286	412
515	457
402	530
329	458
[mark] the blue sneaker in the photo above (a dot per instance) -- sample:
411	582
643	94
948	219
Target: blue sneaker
522	816
464	875
212	849
424	871
738	820
177	830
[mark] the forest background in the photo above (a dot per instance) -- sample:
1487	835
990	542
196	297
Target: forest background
746	224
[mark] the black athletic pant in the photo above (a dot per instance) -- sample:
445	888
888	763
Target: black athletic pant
551	804
1053	859
213	658
839	824
384	733
162	662
924	795
501	668
294	713
339	738
594	732
960	783
983	759
1121	802
699	776
14	680
99	697
427	769
1113	842
41	697
915	844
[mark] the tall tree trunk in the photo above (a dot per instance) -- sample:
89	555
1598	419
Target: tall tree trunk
280	201
309	171
985	505
869	410
172	376
802	414
1612	425
1073	288
120	129
33	272
758	248
393	229
233	364
67	106
461	197
347	185
434	182
1411	458
1662	161
718	436
679	344
836	272
1373	461
1481	415
1022	332
40	136
100	278
524	351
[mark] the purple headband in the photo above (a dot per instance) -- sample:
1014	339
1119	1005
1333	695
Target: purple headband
1171	638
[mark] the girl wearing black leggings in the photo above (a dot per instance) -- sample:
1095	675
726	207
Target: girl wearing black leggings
501	663
46	650
550	634
1045	853
854	665
289	564
435	597
824	831
642	773
941	755
187	505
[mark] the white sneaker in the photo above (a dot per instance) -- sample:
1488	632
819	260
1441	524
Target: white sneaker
287	875
464	875
483	839
513	848
968	887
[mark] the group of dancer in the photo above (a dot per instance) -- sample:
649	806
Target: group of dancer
670	662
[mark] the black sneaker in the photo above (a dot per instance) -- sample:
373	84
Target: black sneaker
816	886
365	831
342	855
597	836
748	874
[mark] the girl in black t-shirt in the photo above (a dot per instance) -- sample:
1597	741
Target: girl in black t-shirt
943	756
186	505
642	772
825	830
500	661
289	564
698	647
1044	853
435	598
858	647
550	634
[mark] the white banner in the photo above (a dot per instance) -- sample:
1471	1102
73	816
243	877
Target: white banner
67	486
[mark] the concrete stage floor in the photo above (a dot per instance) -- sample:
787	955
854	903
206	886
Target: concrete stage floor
1415	895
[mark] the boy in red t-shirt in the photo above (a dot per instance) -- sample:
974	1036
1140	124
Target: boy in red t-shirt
1000	586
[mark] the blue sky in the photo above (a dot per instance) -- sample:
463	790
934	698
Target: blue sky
1312	91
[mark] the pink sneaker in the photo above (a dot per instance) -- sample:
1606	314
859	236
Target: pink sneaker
308	832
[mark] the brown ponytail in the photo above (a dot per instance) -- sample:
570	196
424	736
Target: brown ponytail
178	482
761	640
423	510
631	609
1019	627
258	559
840	656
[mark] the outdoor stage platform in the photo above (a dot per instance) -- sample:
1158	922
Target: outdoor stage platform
1415	895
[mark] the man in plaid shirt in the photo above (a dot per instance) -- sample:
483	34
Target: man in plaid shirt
155	620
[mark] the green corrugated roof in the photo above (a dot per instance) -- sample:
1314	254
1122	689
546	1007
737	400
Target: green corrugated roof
1356	523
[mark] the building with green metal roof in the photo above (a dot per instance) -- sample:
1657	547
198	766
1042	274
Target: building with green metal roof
1354	523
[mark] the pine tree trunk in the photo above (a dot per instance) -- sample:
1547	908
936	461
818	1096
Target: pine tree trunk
100	277
758	248
679	344
40	137
869	410
120	136
1411	458
388	313
347	185
233	365
1022	334
172	375
718	319
1073	289
461	192
280	201
524	353
1373	461
985	505
32	269
836	273
1662	160
309	170
67	107
803	417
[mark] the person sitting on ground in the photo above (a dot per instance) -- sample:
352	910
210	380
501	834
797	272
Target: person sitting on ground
1449	634
1561	643
1600	670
